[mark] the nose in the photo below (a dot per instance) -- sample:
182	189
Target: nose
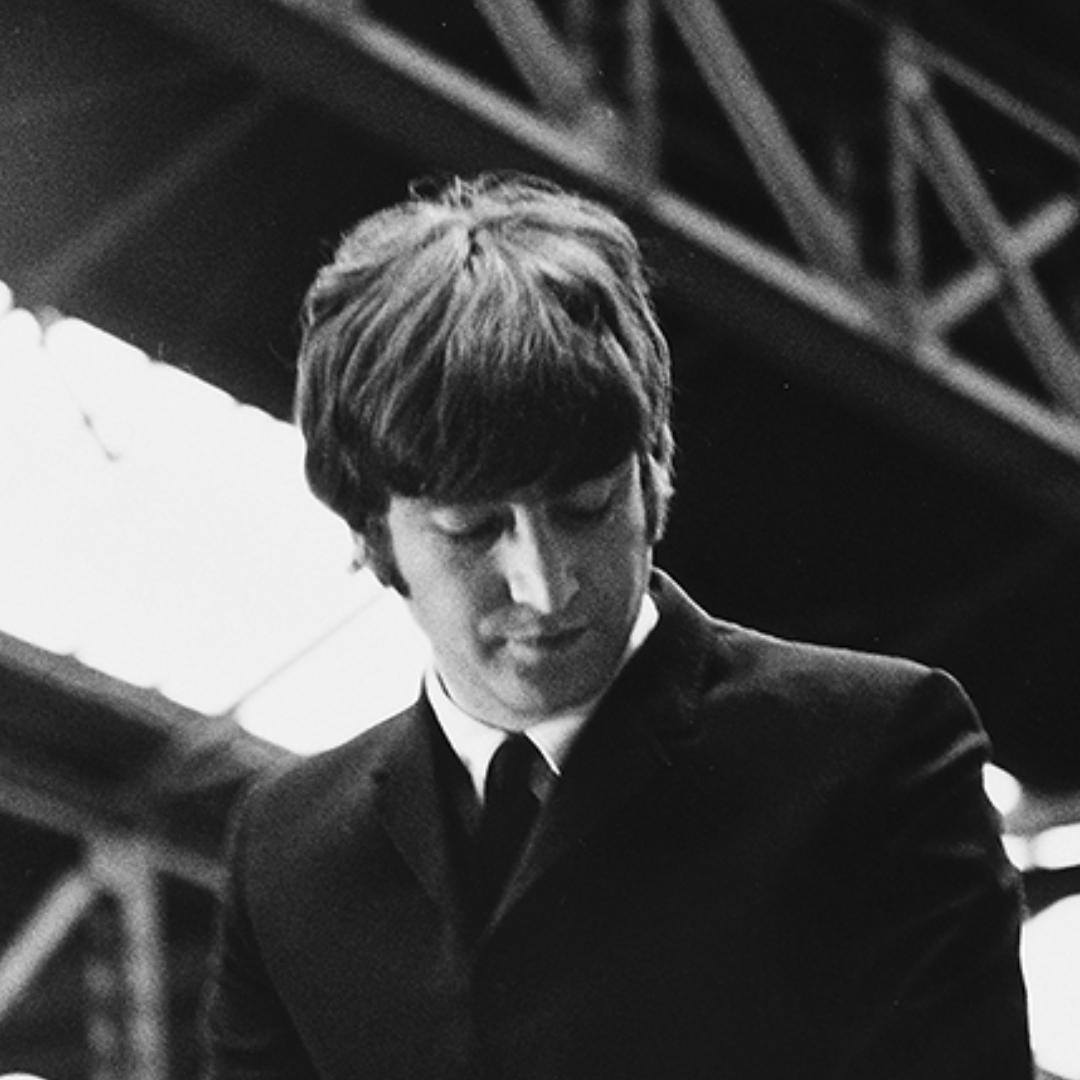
538	565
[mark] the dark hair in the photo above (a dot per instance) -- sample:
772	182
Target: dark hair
477	339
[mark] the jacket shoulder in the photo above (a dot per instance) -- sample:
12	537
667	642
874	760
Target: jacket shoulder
728	656
308	794
810	669
759	697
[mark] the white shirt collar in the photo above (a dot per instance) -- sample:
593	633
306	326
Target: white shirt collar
475	742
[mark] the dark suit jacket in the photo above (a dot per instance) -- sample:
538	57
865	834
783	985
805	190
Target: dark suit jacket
763	860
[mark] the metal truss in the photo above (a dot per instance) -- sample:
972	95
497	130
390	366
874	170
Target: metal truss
112	897
1004	256
924	142
588	107
115	840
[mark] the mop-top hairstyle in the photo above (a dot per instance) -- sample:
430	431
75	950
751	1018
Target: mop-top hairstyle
479	339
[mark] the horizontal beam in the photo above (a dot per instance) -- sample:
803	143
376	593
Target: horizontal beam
380	82
42	800
159	723
55	277
128	764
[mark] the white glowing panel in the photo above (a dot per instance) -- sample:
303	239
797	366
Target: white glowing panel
1002	789
380	650
1050	952
163	533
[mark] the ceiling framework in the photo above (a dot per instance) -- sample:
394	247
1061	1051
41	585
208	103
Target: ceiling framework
108	809
880	325
127	1003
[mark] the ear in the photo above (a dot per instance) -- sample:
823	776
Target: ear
361	556
656	490
372	550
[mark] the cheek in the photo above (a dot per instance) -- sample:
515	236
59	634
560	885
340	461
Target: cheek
624	571
451	599
624	548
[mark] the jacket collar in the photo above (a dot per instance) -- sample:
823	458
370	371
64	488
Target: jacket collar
620	753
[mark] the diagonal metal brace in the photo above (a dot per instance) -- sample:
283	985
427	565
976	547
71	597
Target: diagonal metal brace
42	933
549	68
825	235
951	170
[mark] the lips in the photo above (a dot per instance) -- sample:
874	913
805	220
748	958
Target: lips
547	640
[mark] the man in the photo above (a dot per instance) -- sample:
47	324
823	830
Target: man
734	856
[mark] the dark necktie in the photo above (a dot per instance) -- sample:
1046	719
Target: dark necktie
510	808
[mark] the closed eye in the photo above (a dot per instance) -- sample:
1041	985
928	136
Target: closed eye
469	528
585	513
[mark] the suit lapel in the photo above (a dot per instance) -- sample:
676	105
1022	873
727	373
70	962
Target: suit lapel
417	812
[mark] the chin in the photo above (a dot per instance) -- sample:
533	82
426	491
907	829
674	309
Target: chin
540	706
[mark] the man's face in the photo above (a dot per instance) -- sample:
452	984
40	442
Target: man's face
528	600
